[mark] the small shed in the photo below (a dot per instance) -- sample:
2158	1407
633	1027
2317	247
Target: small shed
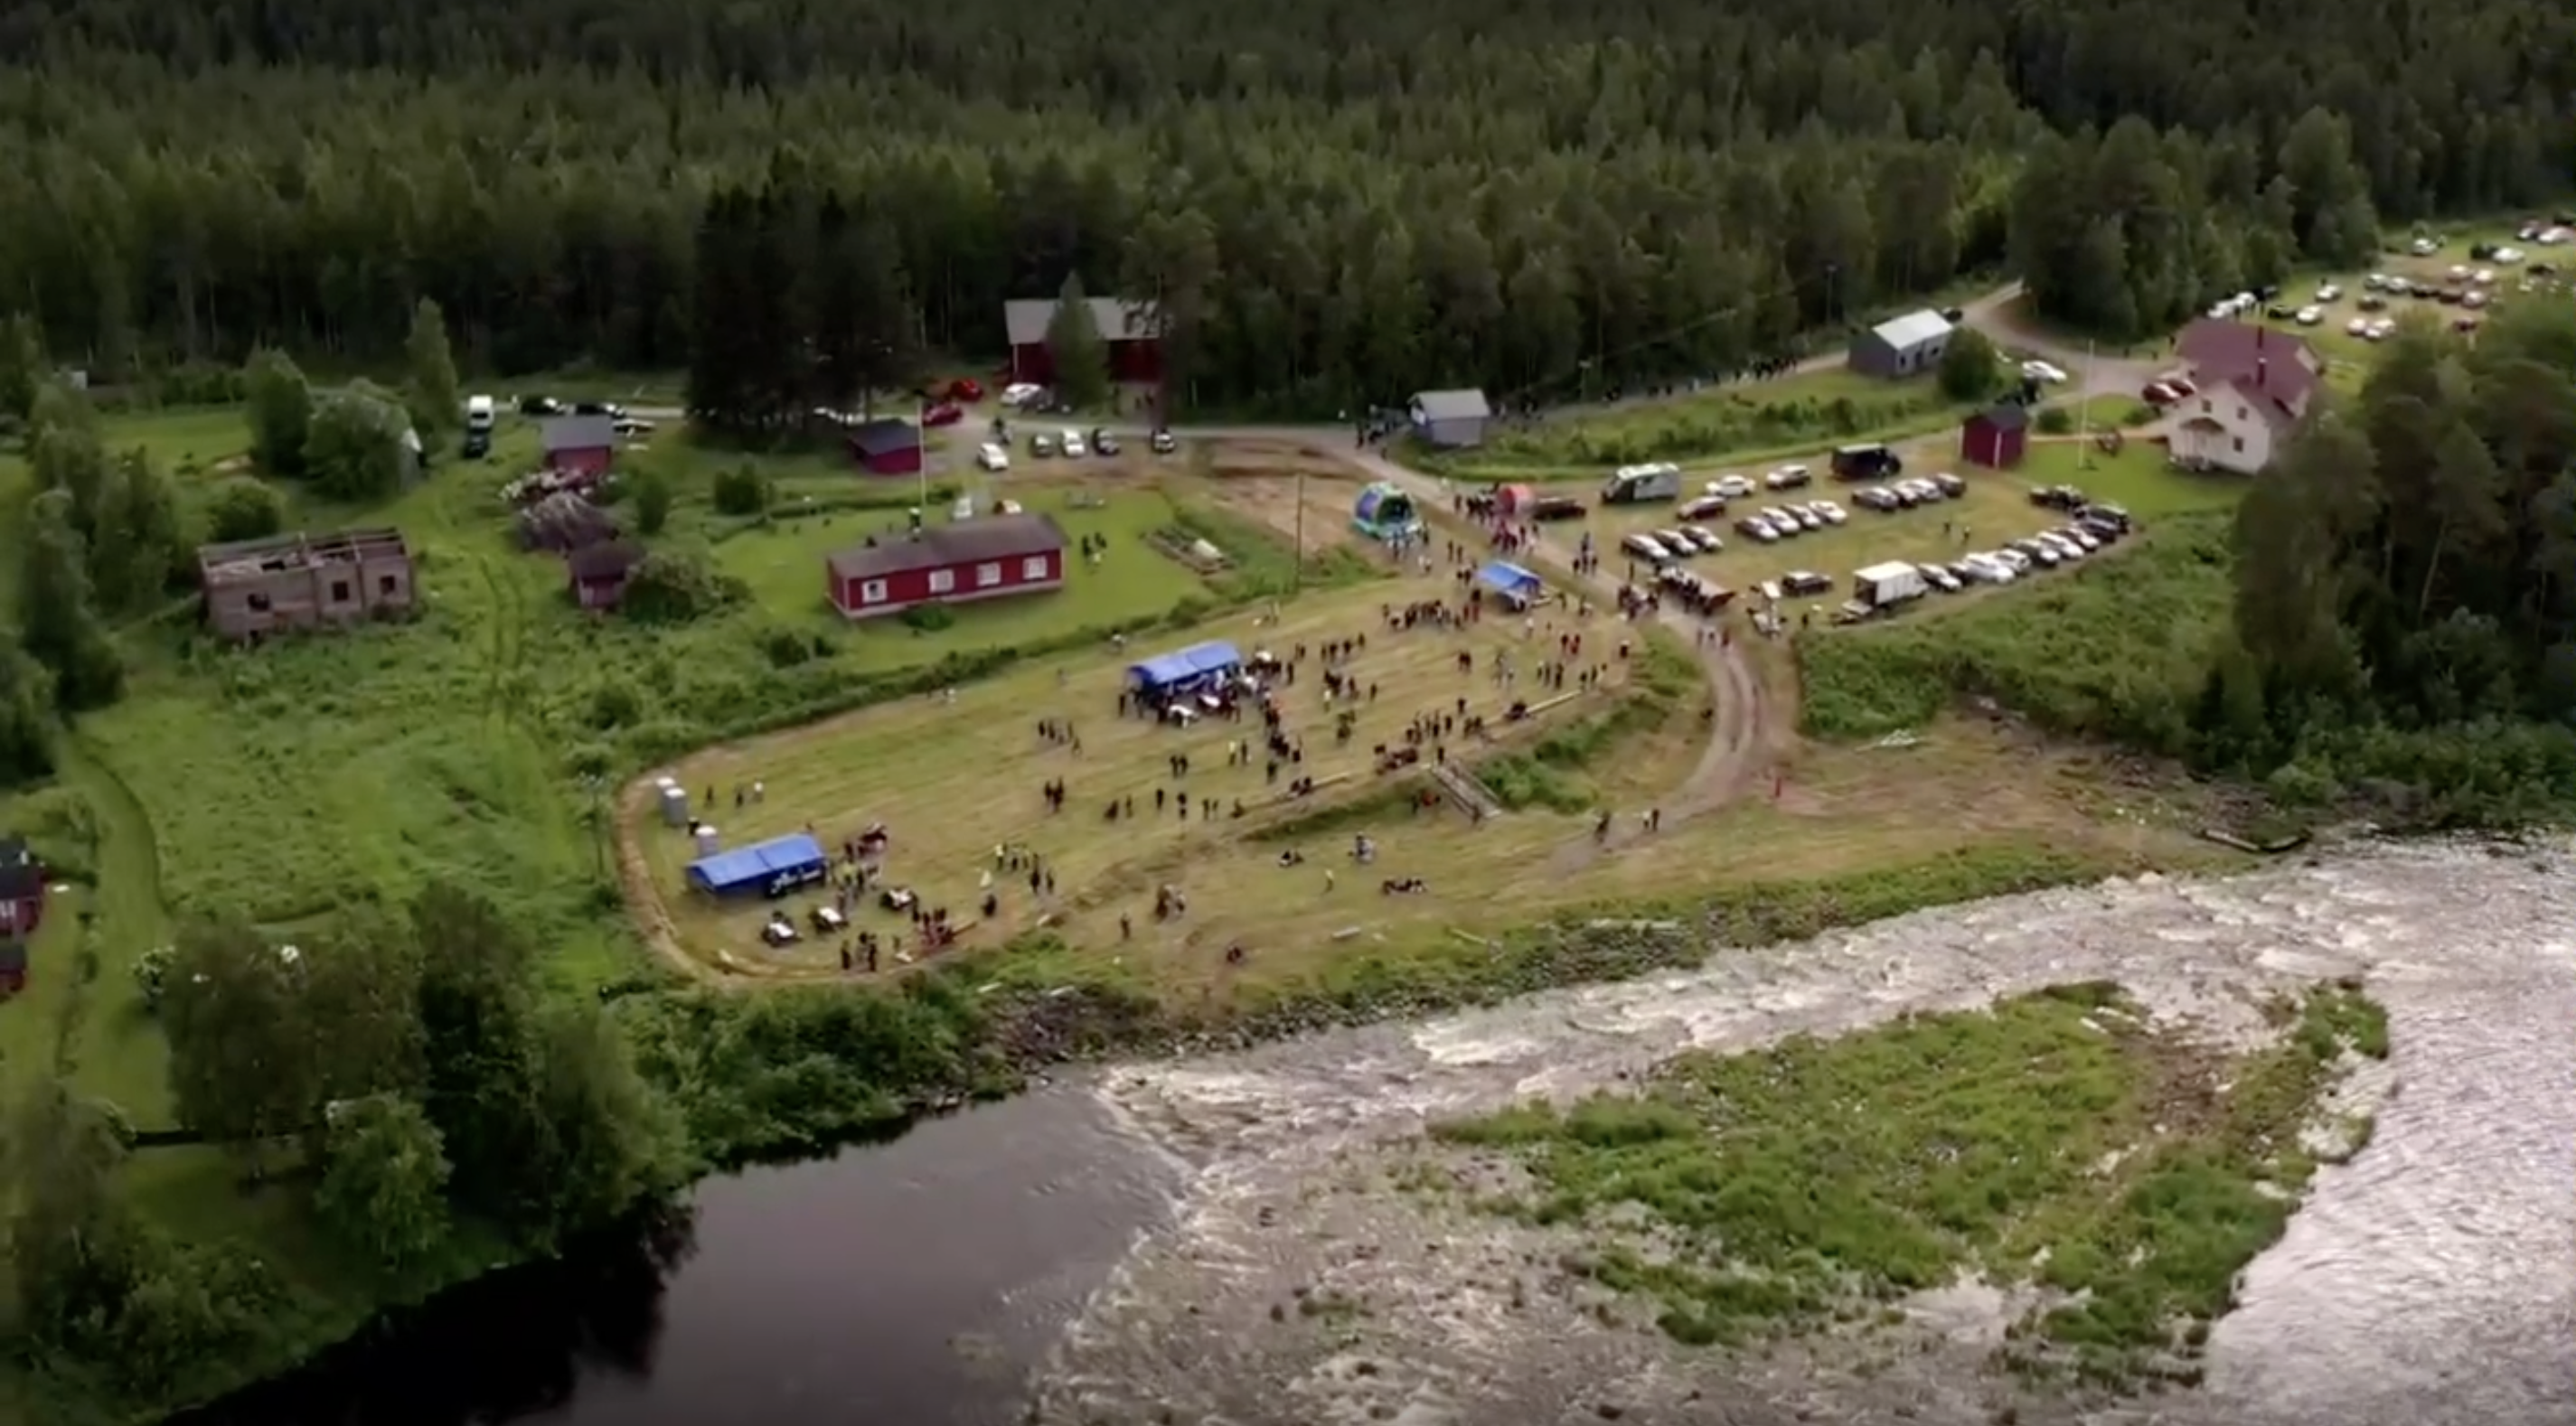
587	444
598	573
1996	437
887	446
1516	585
1903	346
1450	419
563	522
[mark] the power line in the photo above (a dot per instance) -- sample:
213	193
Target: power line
1739	307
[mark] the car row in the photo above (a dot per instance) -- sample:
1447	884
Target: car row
1910	492
1679	542
1774	523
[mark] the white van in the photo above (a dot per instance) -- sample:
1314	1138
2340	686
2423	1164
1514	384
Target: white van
993	458
478	413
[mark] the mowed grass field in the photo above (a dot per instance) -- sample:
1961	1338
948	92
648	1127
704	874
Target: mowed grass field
1742	420
951	780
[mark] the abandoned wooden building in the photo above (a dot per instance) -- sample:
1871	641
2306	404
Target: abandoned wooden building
290	582
565	521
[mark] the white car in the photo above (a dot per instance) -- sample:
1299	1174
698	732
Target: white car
993	458
2508	256
1021	393
1991	569
2045	373
2329	293
1828	511
2425	247
1072	443
1645	547
2483	276
1939	578
2310	316
2357	327
1730	487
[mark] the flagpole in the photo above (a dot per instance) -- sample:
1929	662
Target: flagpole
2084	412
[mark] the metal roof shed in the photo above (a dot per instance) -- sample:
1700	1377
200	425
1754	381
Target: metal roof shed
1902	346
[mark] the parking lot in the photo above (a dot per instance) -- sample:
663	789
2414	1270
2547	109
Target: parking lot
2454	278
1743	535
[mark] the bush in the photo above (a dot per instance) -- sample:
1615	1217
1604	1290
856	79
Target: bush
2056	421
742	490
928	618
243	507
676	587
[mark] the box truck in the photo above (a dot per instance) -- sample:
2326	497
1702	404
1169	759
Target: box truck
1884	586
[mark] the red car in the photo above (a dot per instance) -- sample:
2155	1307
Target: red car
943	414
965	391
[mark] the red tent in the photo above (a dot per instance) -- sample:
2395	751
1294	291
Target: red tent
1514	499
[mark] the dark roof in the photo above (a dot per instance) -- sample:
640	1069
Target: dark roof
577	433
21	875
2003	416
994	537
567	520
885	436
604	561
2277	371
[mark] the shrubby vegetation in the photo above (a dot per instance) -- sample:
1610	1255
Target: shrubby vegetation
2390	615
1781	1186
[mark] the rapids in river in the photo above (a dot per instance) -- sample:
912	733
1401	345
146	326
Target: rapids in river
1176	1243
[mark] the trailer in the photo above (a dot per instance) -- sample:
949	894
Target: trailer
1884	586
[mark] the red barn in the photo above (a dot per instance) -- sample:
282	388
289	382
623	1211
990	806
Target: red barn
1132	330
887	447
982	558
1996	437
582	444
598	573
22	909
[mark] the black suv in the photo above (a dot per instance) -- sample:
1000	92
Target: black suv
1867	463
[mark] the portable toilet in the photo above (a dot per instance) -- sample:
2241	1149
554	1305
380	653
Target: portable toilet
675	803
707	841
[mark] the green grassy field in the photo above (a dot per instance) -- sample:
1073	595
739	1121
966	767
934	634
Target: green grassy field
2138	478
1739	421
2058	1139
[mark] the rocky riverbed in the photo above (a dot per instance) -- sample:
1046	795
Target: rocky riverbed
2425	1281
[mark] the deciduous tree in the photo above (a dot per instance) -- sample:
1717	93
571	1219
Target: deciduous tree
384	1180
281	414
60	625
1077	349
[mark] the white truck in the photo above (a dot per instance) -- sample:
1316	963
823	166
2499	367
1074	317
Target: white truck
1884	586
1642	484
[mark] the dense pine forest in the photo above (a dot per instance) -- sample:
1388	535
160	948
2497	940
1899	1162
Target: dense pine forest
1337	201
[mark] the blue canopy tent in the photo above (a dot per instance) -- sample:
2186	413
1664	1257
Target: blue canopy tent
1511	581
1385	512
1164	673
772	868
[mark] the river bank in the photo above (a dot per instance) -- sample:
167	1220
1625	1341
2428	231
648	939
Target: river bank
815	1290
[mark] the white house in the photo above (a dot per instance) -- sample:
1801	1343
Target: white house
2253	387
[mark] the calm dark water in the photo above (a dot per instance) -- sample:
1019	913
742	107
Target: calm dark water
915	1281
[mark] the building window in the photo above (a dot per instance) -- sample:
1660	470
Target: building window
2240	445
1034	567
339	591
942	580
258	603
386	584
987	575
2207	405
872	592
2241	414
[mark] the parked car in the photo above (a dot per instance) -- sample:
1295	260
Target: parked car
1949	485
540	406
993	458
2045	373
1789	477
1021	393
1556	507
1042	445
1704	507
609	409
1757	529
1872	462
1828	511
1706	539
1730	487
1806	517
2058	497
629	426
2112	515
943	414
1104	442
1876	497
1645	547
1071	443
965	391
1940	578
1800	583
1163	443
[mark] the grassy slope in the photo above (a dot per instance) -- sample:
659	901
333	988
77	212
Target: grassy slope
2056	1140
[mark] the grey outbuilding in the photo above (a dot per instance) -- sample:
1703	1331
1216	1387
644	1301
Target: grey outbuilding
1451	419
1902	346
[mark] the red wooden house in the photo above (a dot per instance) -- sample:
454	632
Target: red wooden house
583	444
1996	437
22	909
887	446
982	558
1131	329
598	573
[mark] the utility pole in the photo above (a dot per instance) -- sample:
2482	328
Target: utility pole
1297	566
2084	412
921	466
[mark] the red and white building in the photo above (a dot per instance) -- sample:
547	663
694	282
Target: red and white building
982	558
2252	388
585	445
22	910
887	446
1132	330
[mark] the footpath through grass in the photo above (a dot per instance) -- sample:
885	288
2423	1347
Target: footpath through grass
2056	1141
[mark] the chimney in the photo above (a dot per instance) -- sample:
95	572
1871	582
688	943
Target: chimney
2260	332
